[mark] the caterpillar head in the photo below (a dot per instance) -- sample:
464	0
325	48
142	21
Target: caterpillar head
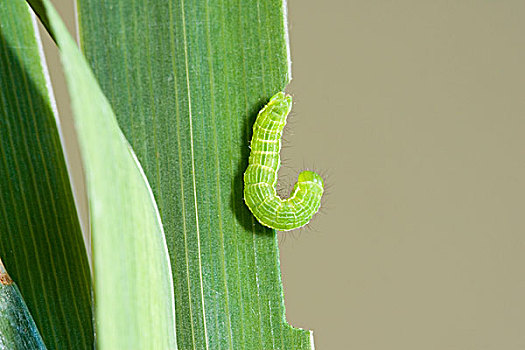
279	107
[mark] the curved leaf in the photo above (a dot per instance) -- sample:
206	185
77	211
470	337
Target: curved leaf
40	238
133	287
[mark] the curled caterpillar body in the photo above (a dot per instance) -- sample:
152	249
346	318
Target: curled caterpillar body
260	177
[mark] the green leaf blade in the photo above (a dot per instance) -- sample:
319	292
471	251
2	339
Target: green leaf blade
186	79
40	238
134	306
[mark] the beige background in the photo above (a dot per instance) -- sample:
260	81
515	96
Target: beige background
415	112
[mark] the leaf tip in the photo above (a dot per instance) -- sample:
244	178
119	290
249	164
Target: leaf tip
5	279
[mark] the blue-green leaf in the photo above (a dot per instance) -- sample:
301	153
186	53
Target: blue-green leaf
18	330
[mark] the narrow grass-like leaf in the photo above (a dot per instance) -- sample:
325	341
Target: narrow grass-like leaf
133	285
186	79
18	330
41	242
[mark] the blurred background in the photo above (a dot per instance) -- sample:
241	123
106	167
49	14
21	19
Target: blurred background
414	111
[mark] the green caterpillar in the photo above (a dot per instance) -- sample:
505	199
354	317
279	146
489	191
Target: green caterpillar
261	175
